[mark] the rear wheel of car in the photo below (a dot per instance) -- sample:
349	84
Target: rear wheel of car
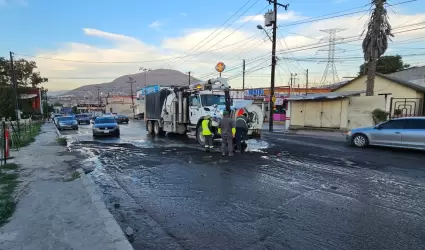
117	134
150	127
360	141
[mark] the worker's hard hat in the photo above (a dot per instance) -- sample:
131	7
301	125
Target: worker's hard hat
207	117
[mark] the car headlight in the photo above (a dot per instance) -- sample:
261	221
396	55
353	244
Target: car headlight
61	124
75	122
349	133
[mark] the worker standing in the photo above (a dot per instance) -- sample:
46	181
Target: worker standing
226	128
241	130
206	132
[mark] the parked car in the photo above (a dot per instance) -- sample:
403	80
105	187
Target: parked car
407	132
55	117
83	118
121	119
106	126
67	122
139	116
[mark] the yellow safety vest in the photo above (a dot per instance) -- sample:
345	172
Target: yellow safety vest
205	128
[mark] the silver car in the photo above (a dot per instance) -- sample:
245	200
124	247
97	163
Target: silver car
407	132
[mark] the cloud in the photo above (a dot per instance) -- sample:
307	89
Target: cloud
183	14
155	25
230	46
286	16
10	2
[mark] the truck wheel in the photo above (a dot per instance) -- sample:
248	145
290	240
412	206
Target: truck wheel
158	130
150	127
199	136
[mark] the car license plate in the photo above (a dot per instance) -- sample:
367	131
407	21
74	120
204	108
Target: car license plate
105	131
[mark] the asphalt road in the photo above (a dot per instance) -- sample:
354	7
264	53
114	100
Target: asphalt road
289	192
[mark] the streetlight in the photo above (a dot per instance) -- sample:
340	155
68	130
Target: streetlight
273	70
261	28
145	70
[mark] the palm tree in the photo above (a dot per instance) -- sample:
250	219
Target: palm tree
375	42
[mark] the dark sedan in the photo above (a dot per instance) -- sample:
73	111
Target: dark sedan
83	118
122	119
67	122
106	126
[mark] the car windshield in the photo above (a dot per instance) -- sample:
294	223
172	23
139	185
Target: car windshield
105	120
66	118
210	100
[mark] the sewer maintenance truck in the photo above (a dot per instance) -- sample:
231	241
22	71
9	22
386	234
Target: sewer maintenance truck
180	110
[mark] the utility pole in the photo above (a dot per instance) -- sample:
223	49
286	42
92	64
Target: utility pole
131	81
98	96
15	89
243	74
145	70
306	82
189	77
273	22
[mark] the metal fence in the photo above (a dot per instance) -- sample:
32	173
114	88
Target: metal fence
16	135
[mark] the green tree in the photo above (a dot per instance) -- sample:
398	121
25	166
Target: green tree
386	65
375	42
25	73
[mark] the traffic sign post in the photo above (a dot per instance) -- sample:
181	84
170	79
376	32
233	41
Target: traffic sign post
220	67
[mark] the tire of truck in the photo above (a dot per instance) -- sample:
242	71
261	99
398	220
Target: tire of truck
157	129
150	127
199	136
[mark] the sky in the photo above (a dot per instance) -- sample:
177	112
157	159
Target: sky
78	42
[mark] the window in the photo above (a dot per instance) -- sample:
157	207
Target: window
66	118
415	124
105	120
194	101
394	124
210	100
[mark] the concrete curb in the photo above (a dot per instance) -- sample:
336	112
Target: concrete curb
112	228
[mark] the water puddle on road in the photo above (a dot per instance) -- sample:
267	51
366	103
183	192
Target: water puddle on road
256	145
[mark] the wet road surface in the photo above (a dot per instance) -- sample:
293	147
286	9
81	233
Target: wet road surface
291	192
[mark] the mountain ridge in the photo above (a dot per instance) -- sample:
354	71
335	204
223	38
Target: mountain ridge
122	86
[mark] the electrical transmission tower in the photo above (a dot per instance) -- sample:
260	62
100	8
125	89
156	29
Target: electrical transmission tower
330	70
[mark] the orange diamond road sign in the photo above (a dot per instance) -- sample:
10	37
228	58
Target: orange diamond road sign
220	67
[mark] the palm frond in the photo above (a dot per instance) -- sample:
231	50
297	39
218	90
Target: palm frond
378	32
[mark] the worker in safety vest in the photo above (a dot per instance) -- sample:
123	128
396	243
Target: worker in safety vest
226	128
206	132
241	130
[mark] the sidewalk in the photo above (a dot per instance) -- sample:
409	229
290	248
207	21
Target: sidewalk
54	211
329	135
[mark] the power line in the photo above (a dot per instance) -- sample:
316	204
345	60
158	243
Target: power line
234	31
217	29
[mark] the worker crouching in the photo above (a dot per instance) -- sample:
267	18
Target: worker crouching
206	132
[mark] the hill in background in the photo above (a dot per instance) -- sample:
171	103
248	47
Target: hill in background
121	85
